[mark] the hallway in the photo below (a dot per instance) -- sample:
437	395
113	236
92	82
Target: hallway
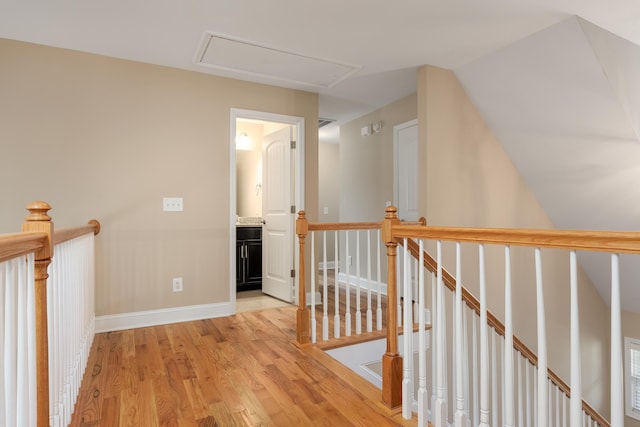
241	370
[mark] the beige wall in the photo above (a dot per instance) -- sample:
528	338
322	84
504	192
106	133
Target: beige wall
329	189
366	162
329	184
103	138
470	181
366	174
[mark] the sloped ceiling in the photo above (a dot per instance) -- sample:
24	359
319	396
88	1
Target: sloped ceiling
564	103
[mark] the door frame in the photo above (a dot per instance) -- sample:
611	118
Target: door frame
299	174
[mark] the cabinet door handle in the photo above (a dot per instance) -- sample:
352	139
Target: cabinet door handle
246	251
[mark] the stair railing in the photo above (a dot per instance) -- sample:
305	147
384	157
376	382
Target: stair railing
363	306
46	323
531	393
359	278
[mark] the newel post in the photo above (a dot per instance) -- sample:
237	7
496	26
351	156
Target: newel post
303	324
39	221
391	360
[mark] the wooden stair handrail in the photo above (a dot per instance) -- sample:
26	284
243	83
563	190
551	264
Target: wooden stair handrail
337	226
585	240
472	302
19	244
70	233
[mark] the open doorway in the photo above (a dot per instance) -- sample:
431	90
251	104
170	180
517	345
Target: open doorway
267	188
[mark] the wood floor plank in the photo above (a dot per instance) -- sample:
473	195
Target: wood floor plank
137	406
110	415
91	396
242	370
166	402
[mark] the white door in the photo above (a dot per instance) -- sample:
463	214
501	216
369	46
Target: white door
405	144
405	181
277	229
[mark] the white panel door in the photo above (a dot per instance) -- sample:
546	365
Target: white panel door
405	194
277	230
405	143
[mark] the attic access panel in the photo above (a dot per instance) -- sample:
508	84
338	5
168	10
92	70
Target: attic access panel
226	53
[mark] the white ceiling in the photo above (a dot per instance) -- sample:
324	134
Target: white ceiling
561	93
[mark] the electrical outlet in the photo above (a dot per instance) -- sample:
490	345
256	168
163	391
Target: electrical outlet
349	260
177	284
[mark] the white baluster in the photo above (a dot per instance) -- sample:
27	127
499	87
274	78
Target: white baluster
325	293
336	284
4	344
508	342
440	409
550	403
460	416
347	296
564	410
476	382
535	396
576	380
422	345
542	343
433	320
358	284
617	393
528	391
11	342
454	379
501	373
399	267
484	345
445	358
407	360
369	312
520	391
557	405
336	295
379	292
465	361
22	349
32	336
314	337
494	379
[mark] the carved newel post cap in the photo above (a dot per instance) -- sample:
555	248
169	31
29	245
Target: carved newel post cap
302	214
391	212
38	211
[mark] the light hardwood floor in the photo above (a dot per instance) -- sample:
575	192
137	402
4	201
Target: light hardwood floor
241	370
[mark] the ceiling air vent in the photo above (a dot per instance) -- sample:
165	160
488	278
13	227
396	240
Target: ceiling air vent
231	54
324	122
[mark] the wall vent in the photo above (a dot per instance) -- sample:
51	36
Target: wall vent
324	122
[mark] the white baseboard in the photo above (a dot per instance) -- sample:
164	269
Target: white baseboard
331	265
318	297
139	319
363	283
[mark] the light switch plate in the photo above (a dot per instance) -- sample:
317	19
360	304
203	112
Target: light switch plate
172	204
